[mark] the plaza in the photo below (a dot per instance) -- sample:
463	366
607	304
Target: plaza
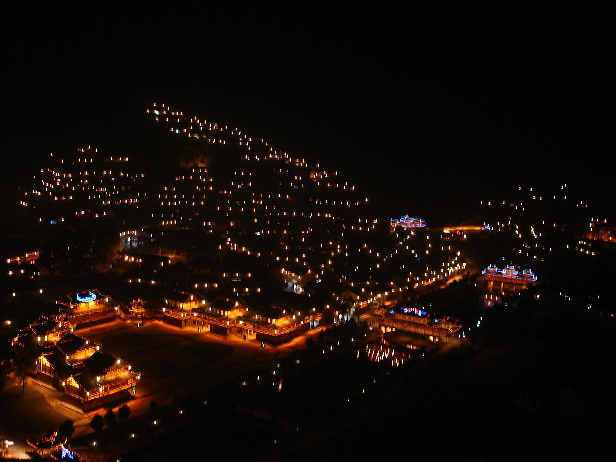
178	361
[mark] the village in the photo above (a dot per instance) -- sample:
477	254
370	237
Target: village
243	285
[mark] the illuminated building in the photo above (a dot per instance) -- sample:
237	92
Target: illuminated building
48	330
414	320
465	229
406	222
266	323
28	257
90	307
296	279
508	280
182	301
601	231
442	330
61	361
89	378
103	379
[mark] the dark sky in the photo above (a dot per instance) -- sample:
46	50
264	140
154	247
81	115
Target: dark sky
426	105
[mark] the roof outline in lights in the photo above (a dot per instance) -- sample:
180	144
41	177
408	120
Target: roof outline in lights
88	297
407	221
510	272
415	311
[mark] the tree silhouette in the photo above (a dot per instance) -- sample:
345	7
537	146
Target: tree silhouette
97	423
25	356
110	418
123	412
66	429
153	406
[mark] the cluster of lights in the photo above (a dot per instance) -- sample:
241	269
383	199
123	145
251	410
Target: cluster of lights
79	180
509	272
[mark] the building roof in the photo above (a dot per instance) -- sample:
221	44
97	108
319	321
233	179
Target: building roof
180	297
57	360
70	343
44	327
223	304
99	363
86	381
272	312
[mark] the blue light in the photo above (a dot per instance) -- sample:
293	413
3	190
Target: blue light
88	298
510	272
415	311
66	453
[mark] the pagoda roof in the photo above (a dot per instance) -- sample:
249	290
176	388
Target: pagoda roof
180	297
272	312
71	343
44	327
86	381
99	363
348	294
221	303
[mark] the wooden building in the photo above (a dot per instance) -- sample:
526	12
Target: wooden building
104	379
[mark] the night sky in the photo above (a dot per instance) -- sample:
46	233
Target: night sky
426	107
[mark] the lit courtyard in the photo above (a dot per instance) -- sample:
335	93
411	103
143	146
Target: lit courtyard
177	361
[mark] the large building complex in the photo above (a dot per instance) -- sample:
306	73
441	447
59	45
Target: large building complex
88	378
508	280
